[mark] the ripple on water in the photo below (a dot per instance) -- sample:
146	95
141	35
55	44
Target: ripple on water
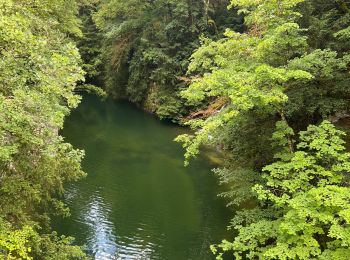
103	241
138	201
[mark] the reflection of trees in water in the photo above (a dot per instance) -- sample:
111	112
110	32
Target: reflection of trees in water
101	238
138	201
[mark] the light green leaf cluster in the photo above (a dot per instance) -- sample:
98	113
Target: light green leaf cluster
311	197
265	14
15	243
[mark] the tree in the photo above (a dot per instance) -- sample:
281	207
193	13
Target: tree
250	70
308	190
39	72
285	70
147	45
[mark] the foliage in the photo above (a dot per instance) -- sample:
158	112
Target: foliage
90	45
285	68
244	78
309	191
147	45
272	68
289	68
14	243
39	71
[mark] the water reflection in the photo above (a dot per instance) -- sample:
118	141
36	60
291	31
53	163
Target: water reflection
138	201
102	239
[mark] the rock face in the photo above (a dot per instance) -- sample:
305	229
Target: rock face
338	116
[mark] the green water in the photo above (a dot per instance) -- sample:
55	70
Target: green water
139	201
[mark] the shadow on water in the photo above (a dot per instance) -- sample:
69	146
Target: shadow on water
139	201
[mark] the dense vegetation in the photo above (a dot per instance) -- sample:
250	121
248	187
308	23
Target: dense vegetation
249	92
263	80
147	45
288	69
39	71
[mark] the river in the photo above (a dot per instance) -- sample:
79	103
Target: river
139	201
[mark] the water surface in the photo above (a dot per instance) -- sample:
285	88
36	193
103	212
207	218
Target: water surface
139	201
